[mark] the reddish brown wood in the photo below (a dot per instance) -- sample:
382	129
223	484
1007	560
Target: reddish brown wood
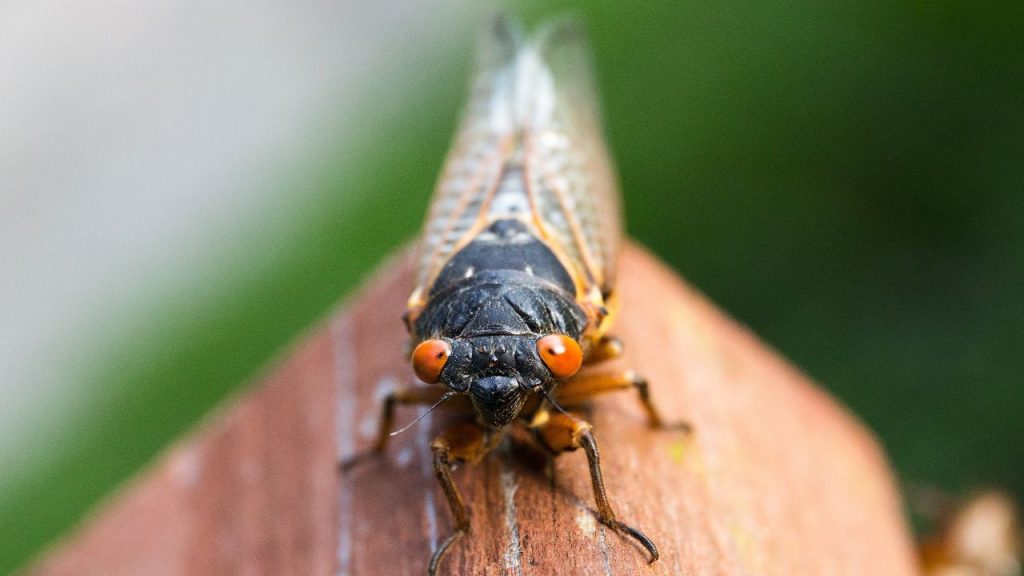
776	480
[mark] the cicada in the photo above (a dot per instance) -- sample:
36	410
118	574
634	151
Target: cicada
516	266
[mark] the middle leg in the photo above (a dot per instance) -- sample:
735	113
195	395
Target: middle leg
586	385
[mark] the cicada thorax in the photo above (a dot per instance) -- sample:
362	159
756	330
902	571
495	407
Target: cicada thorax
509	244
493	302
505	281
507	225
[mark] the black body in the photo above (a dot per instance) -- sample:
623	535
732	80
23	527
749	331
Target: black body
492	301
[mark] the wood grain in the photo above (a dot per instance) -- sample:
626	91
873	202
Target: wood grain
776	480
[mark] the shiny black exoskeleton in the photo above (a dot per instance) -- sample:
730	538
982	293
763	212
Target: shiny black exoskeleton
492	301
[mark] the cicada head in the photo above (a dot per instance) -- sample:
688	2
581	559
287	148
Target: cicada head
497	373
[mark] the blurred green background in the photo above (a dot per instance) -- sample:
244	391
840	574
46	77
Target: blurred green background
845	178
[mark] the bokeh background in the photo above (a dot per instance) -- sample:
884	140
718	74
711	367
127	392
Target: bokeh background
186	187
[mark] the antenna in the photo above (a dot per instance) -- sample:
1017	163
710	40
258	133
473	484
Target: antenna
447	396
552	401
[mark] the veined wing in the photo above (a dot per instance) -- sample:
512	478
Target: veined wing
570	175
529	147
476	158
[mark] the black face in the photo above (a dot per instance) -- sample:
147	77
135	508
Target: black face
491	302
498	373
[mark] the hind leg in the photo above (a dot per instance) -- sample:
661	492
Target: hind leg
566	433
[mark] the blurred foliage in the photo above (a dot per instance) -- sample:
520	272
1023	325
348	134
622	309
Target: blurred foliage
846	179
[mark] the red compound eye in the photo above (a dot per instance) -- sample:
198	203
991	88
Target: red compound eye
429	358
561	354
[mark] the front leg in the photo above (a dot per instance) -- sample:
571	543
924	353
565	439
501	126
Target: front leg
406	395
564	432
463	442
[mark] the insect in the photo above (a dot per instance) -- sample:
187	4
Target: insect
979	537
516	269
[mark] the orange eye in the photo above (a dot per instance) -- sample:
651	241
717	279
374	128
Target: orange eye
561	354
429	358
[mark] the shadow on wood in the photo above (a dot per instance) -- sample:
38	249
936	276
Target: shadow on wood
776	480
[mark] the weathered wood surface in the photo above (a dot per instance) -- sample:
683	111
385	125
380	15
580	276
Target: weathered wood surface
776	480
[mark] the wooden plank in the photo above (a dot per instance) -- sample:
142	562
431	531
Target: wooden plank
777	479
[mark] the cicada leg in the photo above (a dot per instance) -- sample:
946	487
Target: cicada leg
586	385
564	432
406	395
462	442
604	348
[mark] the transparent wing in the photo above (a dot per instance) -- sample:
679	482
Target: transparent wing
530	147
570	172
477	155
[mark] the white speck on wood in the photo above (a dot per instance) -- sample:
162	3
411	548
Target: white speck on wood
602	539
187	467
513	551
404	457
427	471
344	372
368	427
585	520
385	386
